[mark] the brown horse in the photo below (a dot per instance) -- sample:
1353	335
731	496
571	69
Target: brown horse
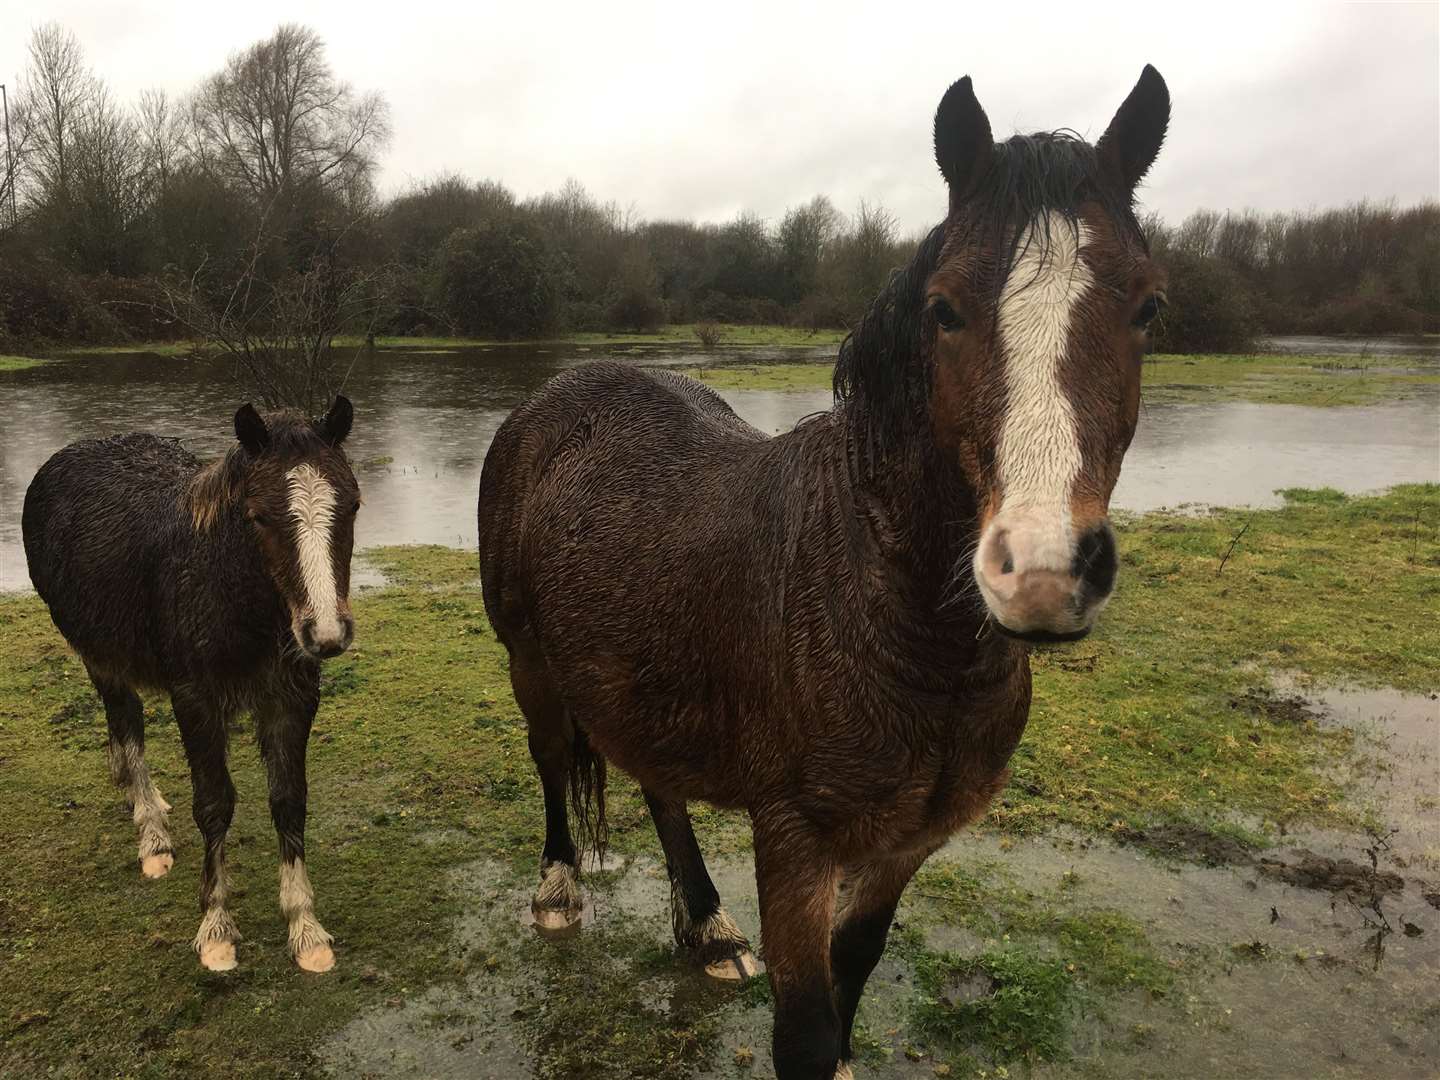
830	628
224	585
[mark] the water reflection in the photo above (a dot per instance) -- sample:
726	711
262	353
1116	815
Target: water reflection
425	418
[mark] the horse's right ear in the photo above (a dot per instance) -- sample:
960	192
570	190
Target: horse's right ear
250	429
963	145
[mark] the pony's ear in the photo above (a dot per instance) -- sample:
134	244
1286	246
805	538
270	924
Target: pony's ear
963	147
336	424
1133	138
250	429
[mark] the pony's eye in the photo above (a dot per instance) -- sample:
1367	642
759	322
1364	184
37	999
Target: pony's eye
1152	307
260	519
945	316
356	508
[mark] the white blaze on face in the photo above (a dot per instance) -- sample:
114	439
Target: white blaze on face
1038	456
312	506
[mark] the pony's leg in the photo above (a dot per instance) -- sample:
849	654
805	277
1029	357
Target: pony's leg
797	909
700	922
283	726
556	904
865	908
125	717
202	729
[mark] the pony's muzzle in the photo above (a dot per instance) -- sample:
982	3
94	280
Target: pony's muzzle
324	641
1040	581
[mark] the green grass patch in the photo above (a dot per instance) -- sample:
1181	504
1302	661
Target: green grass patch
731	335
1168	380
419	762
19	363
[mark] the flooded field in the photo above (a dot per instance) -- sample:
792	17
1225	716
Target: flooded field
1315	958
426	417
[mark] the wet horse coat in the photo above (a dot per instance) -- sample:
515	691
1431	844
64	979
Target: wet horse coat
829	628
224	586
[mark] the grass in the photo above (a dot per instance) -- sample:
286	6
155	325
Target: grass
19	363
1274	380
419	764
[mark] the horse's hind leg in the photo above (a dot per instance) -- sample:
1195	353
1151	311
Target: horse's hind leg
283	725
202	728
125	717
556	904
700	923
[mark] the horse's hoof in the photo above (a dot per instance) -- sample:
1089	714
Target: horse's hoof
735	969
157	866
842	1071
319	959
556	921
218	955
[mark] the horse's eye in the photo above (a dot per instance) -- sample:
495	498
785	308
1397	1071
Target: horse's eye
1152	307
260	519
356	508
945	316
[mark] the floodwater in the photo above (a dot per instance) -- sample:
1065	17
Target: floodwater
425	418
1282	969
1403	346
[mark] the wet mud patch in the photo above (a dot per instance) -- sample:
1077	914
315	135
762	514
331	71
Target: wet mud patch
1193	842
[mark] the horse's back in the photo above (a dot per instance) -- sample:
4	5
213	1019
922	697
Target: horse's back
590	440
99	518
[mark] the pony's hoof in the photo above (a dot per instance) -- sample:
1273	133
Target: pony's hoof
736	969
157	866
842	1071
556	921
319	959
218	955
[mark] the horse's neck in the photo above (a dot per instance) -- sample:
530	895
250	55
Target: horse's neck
900	530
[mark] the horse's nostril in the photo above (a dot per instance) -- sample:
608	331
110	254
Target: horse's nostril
1007	558
1095	562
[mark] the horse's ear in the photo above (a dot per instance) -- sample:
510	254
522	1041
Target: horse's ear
963	146
336	424
250	429
1133	138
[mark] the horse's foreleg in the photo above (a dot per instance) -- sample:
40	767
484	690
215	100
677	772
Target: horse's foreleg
797	908
202	730
700	923
865	908
283	725
125	717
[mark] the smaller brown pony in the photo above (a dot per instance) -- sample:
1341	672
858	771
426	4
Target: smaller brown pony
830	628
225	586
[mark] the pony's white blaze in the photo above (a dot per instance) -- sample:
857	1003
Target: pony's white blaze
312	506
1039	450
1024	558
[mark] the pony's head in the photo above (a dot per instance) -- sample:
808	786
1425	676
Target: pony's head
1032	328
300	499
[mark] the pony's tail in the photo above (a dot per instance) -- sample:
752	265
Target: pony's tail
587	796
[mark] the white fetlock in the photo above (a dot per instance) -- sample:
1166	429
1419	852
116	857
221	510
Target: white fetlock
842	1071
310	943
557	904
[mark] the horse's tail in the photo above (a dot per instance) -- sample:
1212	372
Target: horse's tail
587	795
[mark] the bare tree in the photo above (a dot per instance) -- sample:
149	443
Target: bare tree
276	119
55	93
280	328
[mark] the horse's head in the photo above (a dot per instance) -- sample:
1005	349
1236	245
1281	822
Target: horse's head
1036	320
300	498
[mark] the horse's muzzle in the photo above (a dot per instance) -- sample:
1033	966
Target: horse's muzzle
1041	582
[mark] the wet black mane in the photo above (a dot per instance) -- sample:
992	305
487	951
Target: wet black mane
878	372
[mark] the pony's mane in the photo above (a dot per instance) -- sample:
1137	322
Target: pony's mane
878	373
218	486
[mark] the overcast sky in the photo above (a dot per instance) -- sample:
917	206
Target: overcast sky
758	107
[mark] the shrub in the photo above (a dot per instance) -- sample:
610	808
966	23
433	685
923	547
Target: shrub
709	334
497	279
1210	309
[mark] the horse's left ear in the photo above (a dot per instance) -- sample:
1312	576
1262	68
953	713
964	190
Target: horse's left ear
336	424
1133	138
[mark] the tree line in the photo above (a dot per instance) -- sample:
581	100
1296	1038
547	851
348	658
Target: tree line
252	200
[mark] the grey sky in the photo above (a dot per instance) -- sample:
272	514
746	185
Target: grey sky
758	107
